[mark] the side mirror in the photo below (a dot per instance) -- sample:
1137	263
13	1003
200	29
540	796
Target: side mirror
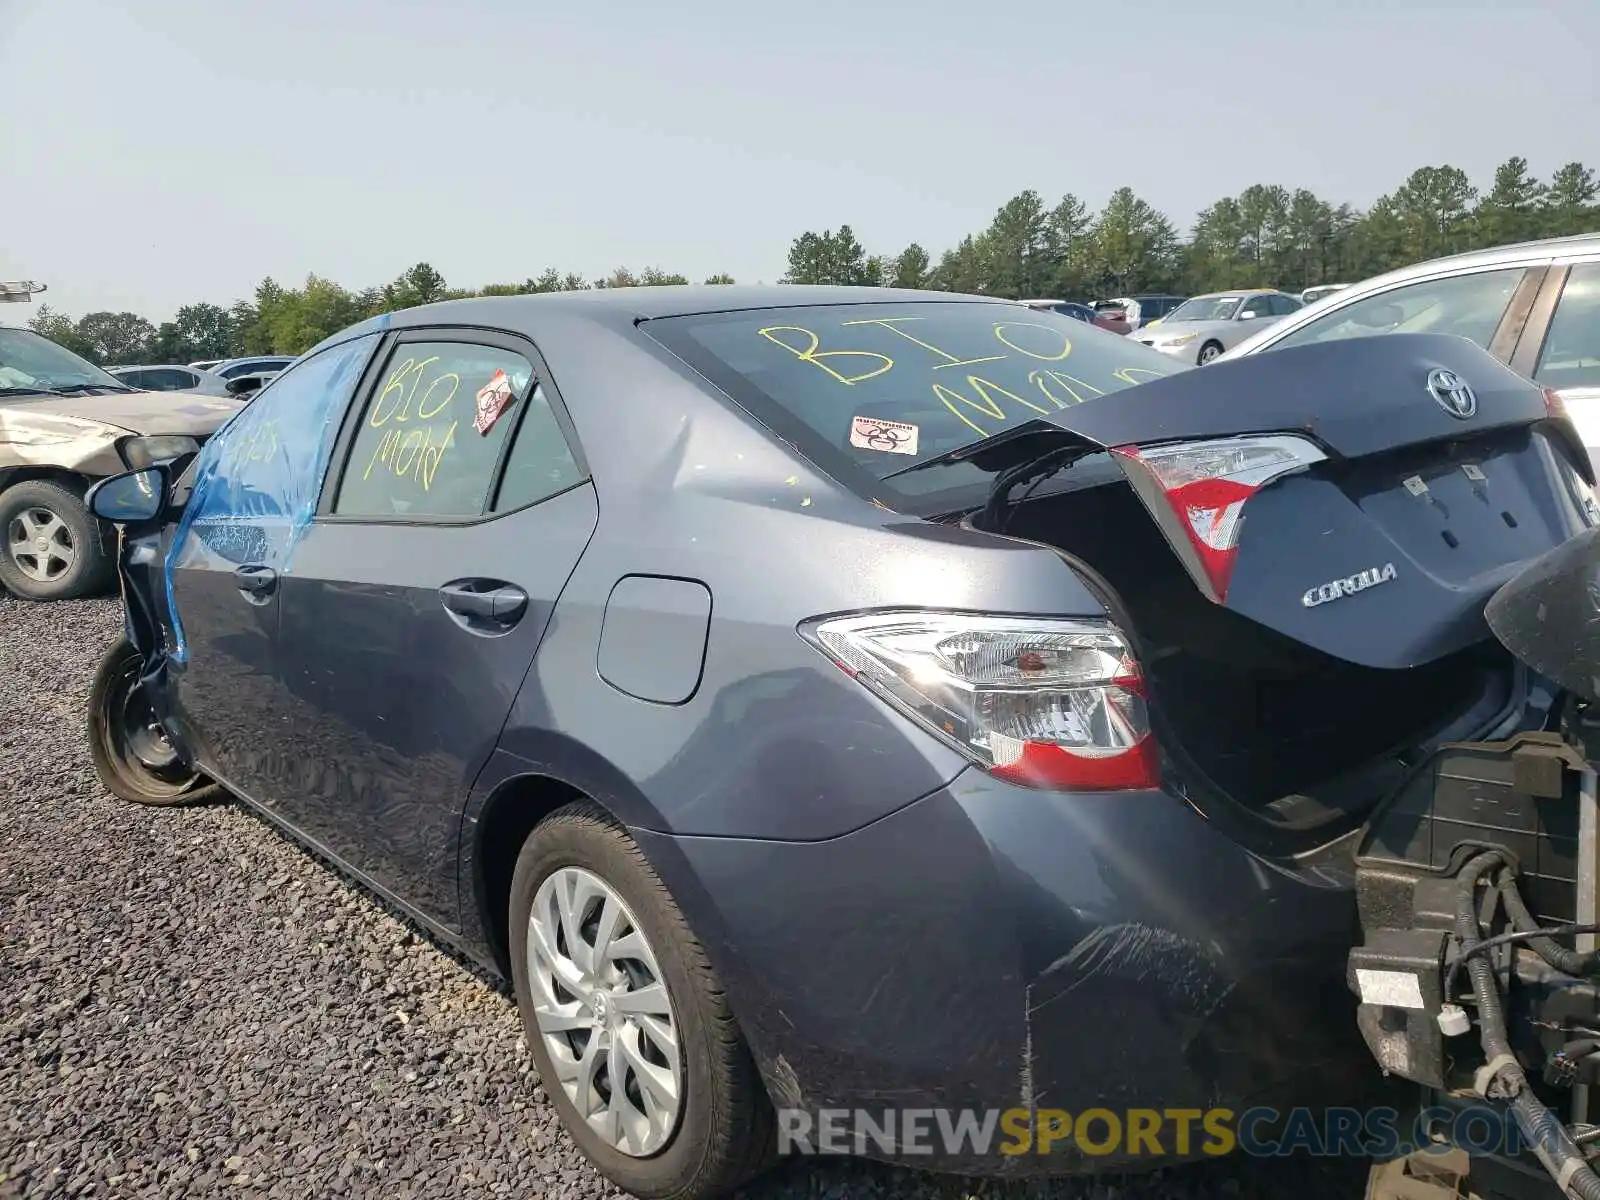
1249	314
130	497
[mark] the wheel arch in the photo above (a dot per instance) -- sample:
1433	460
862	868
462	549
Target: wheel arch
515	795
77	480
511	813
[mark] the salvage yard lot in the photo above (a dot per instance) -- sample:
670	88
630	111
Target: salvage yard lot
189	1004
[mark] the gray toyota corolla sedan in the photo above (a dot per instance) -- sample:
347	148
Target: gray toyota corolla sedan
845	699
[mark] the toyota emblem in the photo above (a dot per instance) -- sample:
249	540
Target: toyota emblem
1452	394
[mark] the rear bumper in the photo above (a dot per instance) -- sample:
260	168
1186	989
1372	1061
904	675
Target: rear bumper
994	948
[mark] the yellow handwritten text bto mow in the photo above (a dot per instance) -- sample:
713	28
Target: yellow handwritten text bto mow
408	450
1055	387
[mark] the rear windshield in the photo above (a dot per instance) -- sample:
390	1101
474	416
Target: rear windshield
882	387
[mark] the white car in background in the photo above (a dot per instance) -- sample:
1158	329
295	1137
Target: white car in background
1533	305
166	377
1201	328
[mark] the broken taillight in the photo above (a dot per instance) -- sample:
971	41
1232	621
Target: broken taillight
1197	492
1039	701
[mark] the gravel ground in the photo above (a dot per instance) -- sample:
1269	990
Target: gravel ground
191	1005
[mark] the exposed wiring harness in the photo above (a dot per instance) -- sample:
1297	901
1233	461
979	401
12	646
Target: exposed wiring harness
997	508
1502	1076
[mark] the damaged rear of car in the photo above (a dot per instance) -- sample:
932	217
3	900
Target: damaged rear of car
979	712
1287	568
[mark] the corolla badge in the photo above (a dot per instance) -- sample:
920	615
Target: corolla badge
1452	394
1337	589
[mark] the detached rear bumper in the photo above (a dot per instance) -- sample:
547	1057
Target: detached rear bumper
993	948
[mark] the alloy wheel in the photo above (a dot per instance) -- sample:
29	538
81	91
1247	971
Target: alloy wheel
603	1012
41	544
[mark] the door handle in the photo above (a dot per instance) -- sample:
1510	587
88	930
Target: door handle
256	582
484	605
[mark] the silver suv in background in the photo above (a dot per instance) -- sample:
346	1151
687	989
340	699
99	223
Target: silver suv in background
1533	305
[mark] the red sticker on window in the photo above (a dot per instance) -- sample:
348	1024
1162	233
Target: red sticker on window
494	398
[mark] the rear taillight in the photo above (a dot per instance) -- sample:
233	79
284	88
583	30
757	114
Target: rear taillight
1197	493
1039	701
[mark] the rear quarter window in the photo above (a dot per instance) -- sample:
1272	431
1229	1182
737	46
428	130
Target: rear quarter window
880	387
1570	357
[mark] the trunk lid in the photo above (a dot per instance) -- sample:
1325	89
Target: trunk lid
1424	499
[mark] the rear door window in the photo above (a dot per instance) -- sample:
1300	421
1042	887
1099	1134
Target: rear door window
1469	306
881	387
168	379
1570	357
421	450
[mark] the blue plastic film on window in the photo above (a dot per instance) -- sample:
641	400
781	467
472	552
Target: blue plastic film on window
257	480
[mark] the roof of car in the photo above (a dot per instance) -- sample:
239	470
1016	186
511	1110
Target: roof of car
645	303
682	299
1578	243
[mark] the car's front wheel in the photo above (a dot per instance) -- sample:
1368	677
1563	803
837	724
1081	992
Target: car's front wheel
133	756
50	544
628	1025
1209	351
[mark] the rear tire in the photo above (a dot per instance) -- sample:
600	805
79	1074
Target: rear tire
1209	351
132	756
50	547
722	1131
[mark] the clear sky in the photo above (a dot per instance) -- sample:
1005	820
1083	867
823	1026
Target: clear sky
155	152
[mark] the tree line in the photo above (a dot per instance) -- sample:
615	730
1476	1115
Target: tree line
1266	236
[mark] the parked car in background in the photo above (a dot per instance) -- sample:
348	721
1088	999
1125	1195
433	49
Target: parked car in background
1200	329
1078	312
1533	305
1312	294
1112	315
853	732
1148	309
63	424
171	378
207	364
267	364
246	385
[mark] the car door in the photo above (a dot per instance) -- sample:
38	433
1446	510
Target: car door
255	489
1259	308
419	596
1560	345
